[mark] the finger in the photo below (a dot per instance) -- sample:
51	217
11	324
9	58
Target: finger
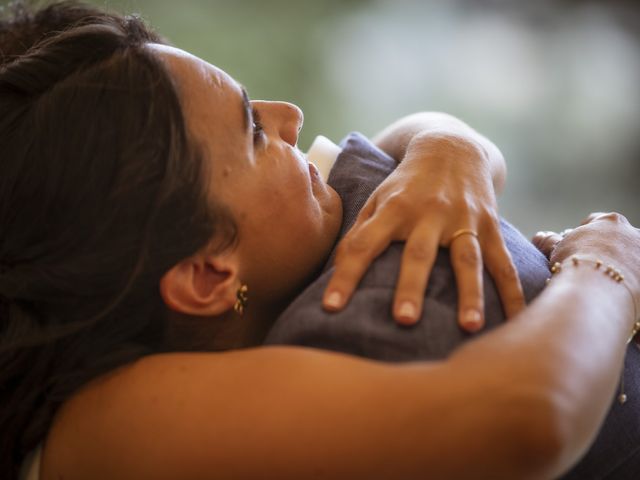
417	261
612	217
546	242
467	266
366	211
365	214
500	266
355	253
591	217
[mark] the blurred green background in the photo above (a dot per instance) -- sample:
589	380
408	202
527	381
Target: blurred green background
555	84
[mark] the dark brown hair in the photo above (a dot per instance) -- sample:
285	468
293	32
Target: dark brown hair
101	192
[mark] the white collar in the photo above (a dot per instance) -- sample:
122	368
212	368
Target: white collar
323	154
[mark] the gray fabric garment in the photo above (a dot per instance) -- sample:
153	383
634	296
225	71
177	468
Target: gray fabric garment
365	327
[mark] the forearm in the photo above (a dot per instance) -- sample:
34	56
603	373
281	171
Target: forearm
565	352
397	137
510	404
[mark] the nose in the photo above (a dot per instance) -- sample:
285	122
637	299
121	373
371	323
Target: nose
287	119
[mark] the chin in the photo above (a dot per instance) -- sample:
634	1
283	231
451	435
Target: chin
332	209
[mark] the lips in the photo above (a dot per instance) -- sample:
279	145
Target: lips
314	173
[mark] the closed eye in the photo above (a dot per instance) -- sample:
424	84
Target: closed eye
258	131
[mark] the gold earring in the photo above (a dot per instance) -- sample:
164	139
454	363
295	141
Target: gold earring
242	297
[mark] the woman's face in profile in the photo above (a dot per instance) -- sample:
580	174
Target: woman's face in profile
288	217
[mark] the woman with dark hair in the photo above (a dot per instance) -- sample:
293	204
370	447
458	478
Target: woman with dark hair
141	192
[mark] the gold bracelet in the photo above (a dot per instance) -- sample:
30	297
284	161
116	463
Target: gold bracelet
618	277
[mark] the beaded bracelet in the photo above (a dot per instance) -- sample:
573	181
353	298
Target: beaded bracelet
618	277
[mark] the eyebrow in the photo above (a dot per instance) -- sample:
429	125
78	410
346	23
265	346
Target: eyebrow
247	110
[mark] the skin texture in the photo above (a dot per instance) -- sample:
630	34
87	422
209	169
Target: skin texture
262	177
257	170
287	217
464	171
503	401
297	412
518	403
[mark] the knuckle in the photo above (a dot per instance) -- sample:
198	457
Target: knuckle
364	214
342	253
417	251
355	245
551	241
591	217
468	256
612	216
508	273
339	251
492	219
398	203
619	218
438	202
471	207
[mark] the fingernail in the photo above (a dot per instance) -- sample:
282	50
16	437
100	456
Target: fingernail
472	320
333	300
407	312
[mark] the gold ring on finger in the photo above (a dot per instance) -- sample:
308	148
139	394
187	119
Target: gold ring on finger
463	231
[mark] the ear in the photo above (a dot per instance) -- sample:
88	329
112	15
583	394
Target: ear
201	285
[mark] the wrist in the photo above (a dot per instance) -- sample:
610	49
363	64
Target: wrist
463	148
457	150
607	275
603	269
